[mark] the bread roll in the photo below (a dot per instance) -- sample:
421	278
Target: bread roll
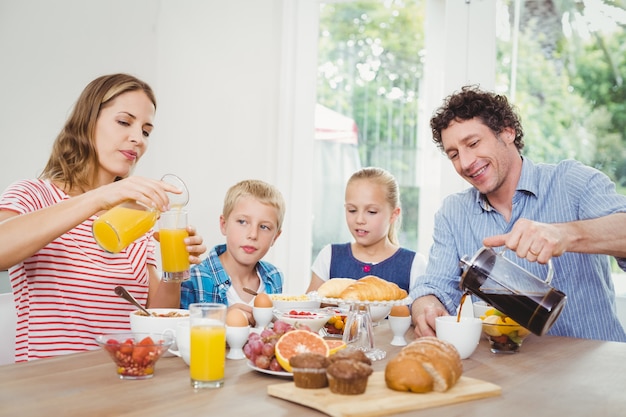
371	288
334	286
402	374
424	365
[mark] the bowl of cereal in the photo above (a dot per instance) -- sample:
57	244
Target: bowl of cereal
286	302
161	321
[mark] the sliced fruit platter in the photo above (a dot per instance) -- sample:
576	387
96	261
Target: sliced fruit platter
270	350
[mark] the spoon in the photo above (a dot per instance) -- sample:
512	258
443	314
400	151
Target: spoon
249	291
121	291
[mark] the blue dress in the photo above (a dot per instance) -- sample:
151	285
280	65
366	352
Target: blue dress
396	268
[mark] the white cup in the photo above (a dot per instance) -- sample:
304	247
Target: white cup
183	340
463	334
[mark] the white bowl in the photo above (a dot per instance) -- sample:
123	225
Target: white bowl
313	318
379	312
480	307
164	321
286	302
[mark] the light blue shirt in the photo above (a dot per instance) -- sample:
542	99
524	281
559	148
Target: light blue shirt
565	192
209	282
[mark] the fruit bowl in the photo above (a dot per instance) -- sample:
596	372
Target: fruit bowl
337	321
135	354
312	318
504	334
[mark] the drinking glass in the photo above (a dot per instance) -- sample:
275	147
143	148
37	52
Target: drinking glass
174	255
207	353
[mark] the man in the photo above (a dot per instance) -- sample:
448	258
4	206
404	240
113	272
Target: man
568	212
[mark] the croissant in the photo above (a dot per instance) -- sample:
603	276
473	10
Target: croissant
334	286
372	288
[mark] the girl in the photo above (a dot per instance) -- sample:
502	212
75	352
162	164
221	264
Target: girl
62	280
373	215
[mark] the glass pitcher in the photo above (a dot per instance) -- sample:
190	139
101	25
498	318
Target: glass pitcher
128	221
528	300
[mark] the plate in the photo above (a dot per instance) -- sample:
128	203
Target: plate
270	372
327	300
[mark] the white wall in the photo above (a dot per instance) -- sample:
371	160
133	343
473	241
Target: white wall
460	38
233	98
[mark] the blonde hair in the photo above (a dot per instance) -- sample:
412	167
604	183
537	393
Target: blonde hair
384	178
74	160
265	193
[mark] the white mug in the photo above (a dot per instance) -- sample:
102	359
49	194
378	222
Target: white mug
463	334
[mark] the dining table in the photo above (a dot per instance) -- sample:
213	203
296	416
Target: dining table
549	376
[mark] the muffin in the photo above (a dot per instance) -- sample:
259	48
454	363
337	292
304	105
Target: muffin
309	370
349	353
348	376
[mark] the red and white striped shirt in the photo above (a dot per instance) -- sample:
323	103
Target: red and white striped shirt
64	293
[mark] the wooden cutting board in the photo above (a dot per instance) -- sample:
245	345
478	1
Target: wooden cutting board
378	400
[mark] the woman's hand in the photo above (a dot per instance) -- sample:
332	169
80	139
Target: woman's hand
146	191
195	247
194	244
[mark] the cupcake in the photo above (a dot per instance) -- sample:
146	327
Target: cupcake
309	370
349	353
348	376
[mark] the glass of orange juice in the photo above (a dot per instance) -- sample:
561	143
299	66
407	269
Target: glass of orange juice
174	255
207	352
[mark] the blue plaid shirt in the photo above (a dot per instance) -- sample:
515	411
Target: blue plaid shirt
209	282
565	192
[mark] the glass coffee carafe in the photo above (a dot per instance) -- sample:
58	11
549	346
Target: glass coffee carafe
509	288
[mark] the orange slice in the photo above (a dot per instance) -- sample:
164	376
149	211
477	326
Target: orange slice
335	345
298	341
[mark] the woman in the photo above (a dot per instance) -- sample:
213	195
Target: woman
62	280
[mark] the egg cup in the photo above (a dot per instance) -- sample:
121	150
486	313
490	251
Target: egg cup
262	316
236	337
399	325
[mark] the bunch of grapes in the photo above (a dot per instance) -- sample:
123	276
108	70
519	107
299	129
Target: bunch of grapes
259	349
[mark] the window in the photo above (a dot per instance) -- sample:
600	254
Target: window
369	72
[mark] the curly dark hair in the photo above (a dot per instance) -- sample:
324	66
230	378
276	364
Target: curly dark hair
492	109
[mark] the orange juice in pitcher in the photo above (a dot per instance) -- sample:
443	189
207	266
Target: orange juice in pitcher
128	221
122	225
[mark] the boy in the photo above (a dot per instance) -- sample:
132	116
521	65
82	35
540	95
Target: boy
251	221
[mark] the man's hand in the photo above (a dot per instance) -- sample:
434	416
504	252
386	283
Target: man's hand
424	311
537	242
